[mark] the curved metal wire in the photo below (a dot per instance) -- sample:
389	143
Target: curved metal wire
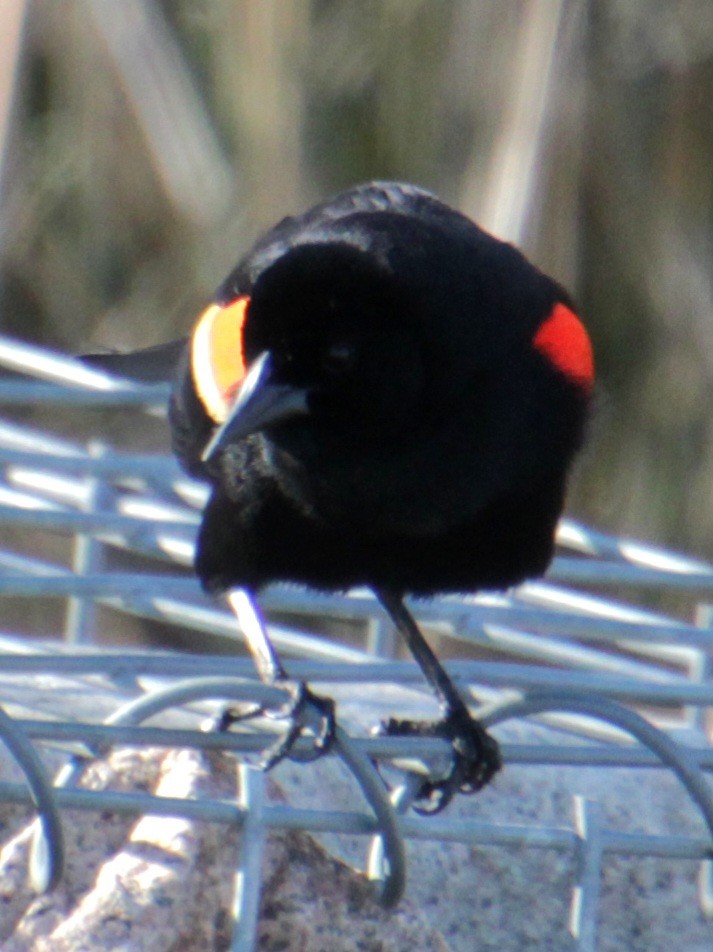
47	847
672	754
390	879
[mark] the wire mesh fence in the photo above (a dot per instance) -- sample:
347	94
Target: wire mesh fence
623	685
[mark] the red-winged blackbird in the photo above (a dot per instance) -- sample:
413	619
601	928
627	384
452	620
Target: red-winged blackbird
382	394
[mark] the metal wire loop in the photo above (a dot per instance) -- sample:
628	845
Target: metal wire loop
389	876
47	847
671	753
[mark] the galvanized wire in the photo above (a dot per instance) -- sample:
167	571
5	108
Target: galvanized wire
573	655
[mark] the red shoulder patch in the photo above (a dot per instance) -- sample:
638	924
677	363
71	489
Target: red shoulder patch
217	360
563	340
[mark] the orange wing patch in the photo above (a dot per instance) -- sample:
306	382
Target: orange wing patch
562	339
217	361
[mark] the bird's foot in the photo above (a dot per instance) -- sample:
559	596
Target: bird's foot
475	757
309	714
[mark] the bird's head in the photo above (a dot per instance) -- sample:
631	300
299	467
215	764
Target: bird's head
327	334
344	347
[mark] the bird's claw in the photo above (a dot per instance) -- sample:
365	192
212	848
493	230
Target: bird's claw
475	757
308	713
233	714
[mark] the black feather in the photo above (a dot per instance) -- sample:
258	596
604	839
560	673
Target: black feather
437	461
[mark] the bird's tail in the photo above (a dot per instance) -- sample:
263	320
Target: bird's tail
150	365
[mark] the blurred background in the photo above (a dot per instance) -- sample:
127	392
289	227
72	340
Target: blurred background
145	144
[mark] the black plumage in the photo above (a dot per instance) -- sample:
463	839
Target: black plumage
429	389
435	452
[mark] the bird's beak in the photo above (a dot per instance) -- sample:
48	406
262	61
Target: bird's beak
259	402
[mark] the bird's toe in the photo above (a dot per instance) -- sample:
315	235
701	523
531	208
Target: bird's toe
475	758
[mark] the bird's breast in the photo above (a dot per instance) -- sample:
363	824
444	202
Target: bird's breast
413	490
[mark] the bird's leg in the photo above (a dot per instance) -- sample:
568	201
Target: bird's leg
476	756
306	710
267	661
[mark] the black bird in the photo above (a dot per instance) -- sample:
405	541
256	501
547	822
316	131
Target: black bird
382	394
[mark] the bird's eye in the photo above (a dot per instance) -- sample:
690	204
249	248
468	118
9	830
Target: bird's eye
282	359
338	359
